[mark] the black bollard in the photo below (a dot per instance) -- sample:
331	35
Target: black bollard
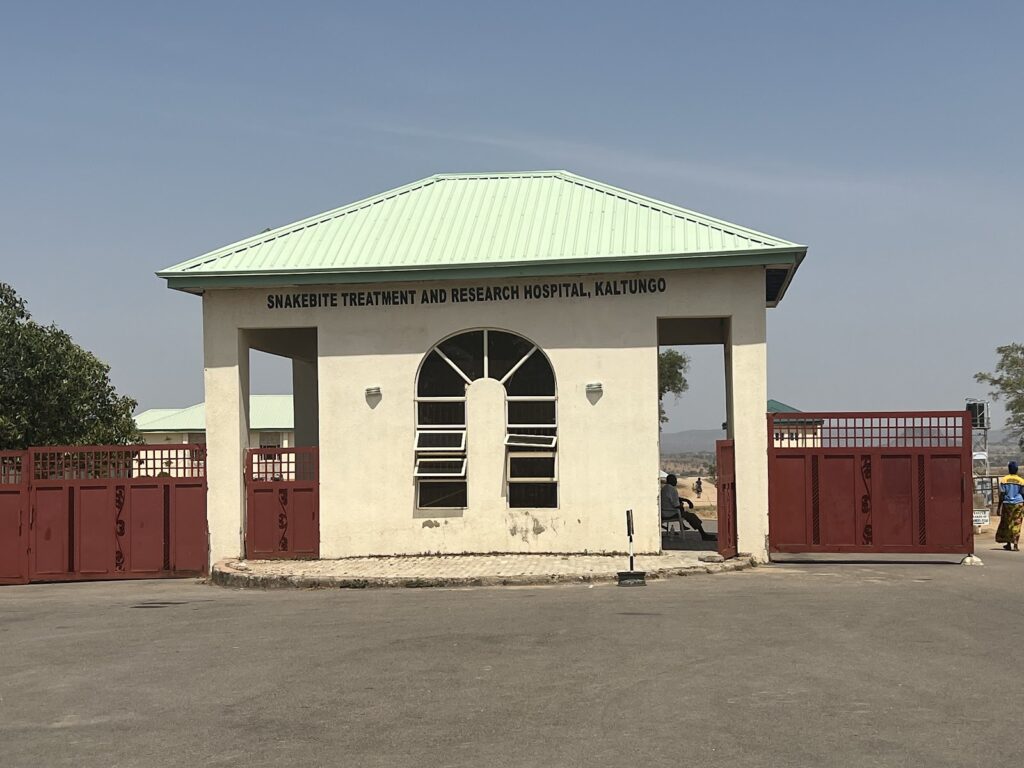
631	578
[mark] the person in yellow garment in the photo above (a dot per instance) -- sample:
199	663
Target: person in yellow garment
1011	509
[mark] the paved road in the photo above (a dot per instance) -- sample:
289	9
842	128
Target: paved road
795	665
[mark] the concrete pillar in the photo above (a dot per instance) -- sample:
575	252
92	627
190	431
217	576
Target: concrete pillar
306	402
485	434
747	389
226	380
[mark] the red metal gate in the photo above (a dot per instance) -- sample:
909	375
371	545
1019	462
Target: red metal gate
103	512
725	468
13	518
282	503
870	482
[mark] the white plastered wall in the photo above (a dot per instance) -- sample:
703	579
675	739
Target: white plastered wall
608	447
746	373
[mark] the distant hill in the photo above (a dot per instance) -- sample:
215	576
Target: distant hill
690	441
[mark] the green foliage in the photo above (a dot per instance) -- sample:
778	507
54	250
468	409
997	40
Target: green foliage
1008	383
672	367
53	392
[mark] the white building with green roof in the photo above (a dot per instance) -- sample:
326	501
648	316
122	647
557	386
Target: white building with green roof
474	358
271	423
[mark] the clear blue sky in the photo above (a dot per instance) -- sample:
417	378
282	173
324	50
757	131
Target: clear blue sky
886	136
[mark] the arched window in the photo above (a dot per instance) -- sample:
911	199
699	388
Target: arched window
531	426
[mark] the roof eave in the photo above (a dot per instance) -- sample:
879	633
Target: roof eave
198	282
789	277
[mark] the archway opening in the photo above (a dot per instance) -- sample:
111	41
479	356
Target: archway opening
695	421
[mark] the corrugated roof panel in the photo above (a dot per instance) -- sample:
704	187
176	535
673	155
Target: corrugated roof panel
447	244
419	229
153	414
775	406
190	419
571	220
482	219
533	223
271	412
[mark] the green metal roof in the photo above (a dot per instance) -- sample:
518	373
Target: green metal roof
266	412
145	418
774	406
451	226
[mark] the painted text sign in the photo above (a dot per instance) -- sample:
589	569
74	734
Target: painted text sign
467	294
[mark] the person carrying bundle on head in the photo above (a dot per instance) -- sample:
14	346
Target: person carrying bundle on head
1011	509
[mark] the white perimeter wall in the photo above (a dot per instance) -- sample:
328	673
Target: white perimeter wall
608	450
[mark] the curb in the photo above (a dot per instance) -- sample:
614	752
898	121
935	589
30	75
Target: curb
224	576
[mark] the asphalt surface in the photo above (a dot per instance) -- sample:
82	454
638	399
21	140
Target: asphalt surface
804	664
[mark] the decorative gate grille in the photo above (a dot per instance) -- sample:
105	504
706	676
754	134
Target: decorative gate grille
282	503
870	482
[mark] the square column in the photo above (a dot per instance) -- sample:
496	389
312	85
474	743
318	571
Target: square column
305	402
746	373
226	380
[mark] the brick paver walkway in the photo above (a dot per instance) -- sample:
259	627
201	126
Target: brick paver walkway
460	570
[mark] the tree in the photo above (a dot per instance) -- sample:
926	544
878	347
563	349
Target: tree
672	366
1008	382
53	392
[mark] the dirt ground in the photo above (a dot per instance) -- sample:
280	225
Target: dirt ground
707	505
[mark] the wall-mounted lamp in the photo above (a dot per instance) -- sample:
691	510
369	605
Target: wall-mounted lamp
373	396
595	386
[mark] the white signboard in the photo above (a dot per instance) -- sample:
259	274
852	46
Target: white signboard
981	517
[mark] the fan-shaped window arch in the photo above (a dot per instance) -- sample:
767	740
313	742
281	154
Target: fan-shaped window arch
530	417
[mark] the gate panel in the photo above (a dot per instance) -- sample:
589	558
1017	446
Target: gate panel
13	546
14	506
108	512
306	539
268	523
282	503
145	531
95	526
838	507
51	524
725	464
788	516
893	521
945	485
870	482
189	542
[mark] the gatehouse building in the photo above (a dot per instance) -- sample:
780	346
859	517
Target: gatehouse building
475	365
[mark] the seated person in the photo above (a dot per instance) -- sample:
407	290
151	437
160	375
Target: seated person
672	507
